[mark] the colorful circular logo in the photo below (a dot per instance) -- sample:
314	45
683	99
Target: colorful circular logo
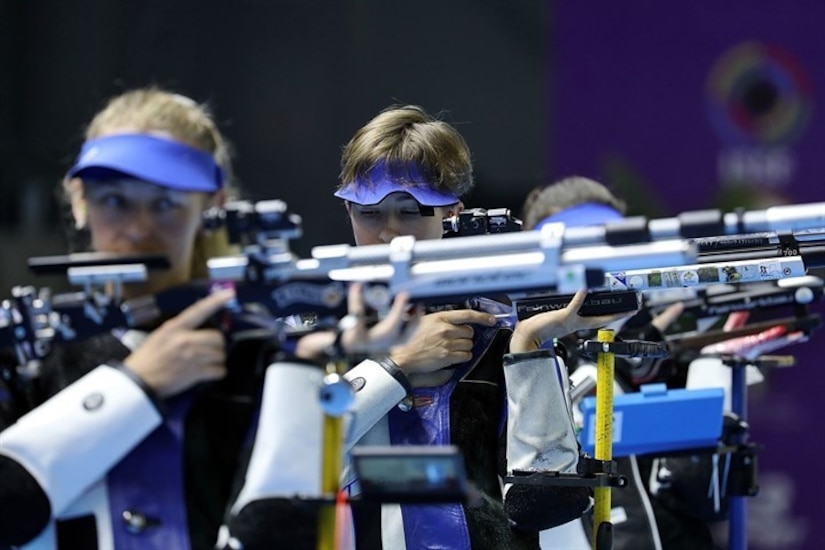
759	94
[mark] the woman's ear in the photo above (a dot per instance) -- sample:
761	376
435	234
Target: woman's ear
74	191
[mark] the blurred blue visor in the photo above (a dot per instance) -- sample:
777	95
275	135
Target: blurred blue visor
157	160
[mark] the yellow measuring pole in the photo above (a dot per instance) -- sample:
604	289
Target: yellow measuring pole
604	426
331	464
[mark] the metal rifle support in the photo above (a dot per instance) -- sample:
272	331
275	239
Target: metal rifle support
739	479
606	348
744	458
605	369
742	470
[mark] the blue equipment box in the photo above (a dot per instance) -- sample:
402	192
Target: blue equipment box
656	419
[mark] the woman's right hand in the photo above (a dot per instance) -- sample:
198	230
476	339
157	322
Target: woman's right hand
177	355
441	339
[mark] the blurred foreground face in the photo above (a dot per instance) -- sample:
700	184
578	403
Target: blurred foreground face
398	214
128	216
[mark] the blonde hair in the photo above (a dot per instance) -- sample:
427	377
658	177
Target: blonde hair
152	109
402	136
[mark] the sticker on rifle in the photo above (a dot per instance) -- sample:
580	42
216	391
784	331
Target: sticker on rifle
654	278
637	281
672	278
708	275
749	272
616	280
770	270
740	273
690	278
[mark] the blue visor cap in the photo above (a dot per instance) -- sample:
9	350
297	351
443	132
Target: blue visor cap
161	161
379	182
589	213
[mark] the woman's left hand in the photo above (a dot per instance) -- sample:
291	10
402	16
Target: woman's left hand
393	329
358	337
531	333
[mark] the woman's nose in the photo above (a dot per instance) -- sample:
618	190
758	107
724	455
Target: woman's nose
388	234
391	229
138	224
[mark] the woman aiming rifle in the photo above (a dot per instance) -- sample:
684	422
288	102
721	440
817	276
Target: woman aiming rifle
461	378
137	436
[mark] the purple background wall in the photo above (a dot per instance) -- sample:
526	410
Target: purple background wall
632	108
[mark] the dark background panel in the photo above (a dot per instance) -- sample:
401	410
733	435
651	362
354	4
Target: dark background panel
289	81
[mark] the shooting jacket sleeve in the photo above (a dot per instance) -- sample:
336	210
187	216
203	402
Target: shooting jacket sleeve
541	438
540	433
71	441
376	393
274	507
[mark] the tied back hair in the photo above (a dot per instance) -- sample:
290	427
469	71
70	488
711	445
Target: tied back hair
405	135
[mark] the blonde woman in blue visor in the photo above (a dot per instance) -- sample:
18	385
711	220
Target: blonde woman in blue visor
136	437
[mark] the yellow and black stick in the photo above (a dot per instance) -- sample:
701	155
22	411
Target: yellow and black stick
605	365
331	465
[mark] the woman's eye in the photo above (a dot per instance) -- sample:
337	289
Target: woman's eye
411	212
112	201
164	204
368	213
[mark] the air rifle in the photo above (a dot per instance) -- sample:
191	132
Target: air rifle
269	275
